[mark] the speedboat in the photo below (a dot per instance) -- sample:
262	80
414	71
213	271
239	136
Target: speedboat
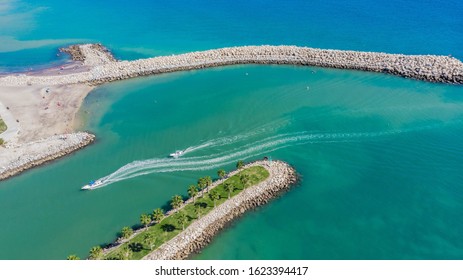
176	154
93	185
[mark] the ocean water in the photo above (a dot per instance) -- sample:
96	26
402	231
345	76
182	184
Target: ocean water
380	157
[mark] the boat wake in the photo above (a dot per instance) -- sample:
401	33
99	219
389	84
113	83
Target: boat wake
227	156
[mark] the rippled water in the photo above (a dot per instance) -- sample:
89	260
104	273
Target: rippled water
380	157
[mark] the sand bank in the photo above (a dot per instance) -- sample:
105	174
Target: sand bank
38	112
39	120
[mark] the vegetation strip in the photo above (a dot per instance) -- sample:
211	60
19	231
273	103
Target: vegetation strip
2	129
241	190
202	231
2	126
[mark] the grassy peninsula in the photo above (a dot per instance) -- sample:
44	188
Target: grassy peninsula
202	201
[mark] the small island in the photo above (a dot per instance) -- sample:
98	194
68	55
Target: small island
192	224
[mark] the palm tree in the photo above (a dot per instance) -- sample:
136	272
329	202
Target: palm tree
126	252
244	179
214	196
202	184
149	239
192	192
208	181
72	258
228	187
198	210
176	202
221	173
240	164
145	220
158	215
95	253
181	219
126	232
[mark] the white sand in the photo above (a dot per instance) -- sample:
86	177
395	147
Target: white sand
41	114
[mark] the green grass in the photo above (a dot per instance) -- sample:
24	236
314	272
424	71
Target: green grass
168	228
2	126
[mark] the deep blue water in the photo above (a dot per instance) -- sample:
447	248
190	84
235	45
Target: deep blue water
381	177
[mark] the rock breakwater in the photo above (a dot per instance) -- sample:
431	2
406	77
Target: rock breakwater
433	68
201	232
89	54
38	152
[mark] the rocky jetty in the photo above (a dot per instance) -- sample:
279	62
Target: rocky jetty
36	153
201	232
433	68
74	51
89	54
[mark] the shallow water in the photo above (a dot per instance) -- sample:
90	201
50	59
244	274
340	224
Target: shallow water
380	157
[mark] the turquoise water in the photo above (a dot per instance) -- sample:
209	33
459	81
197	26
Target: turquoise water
380	157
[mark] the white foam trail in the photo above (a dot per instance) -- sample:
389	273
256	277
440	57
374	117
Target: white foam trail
219	142
265	146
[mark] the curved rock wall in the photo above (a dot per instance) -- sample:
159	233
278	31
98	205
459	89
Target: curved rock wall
432	68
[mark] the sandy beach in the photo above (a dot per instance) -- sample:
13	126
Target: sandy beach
38	112
41	119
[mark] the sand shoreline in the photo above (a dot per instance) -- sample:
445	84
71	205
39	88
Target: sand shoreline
35	118
45	103
42	120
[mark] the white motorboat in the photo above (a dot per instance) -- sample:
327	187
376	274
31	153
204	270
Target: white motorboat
93	185
176	154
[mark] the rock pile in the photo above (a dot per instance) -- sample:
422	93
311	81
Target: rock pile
201	232
74	51
104	69
45	150
89	54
